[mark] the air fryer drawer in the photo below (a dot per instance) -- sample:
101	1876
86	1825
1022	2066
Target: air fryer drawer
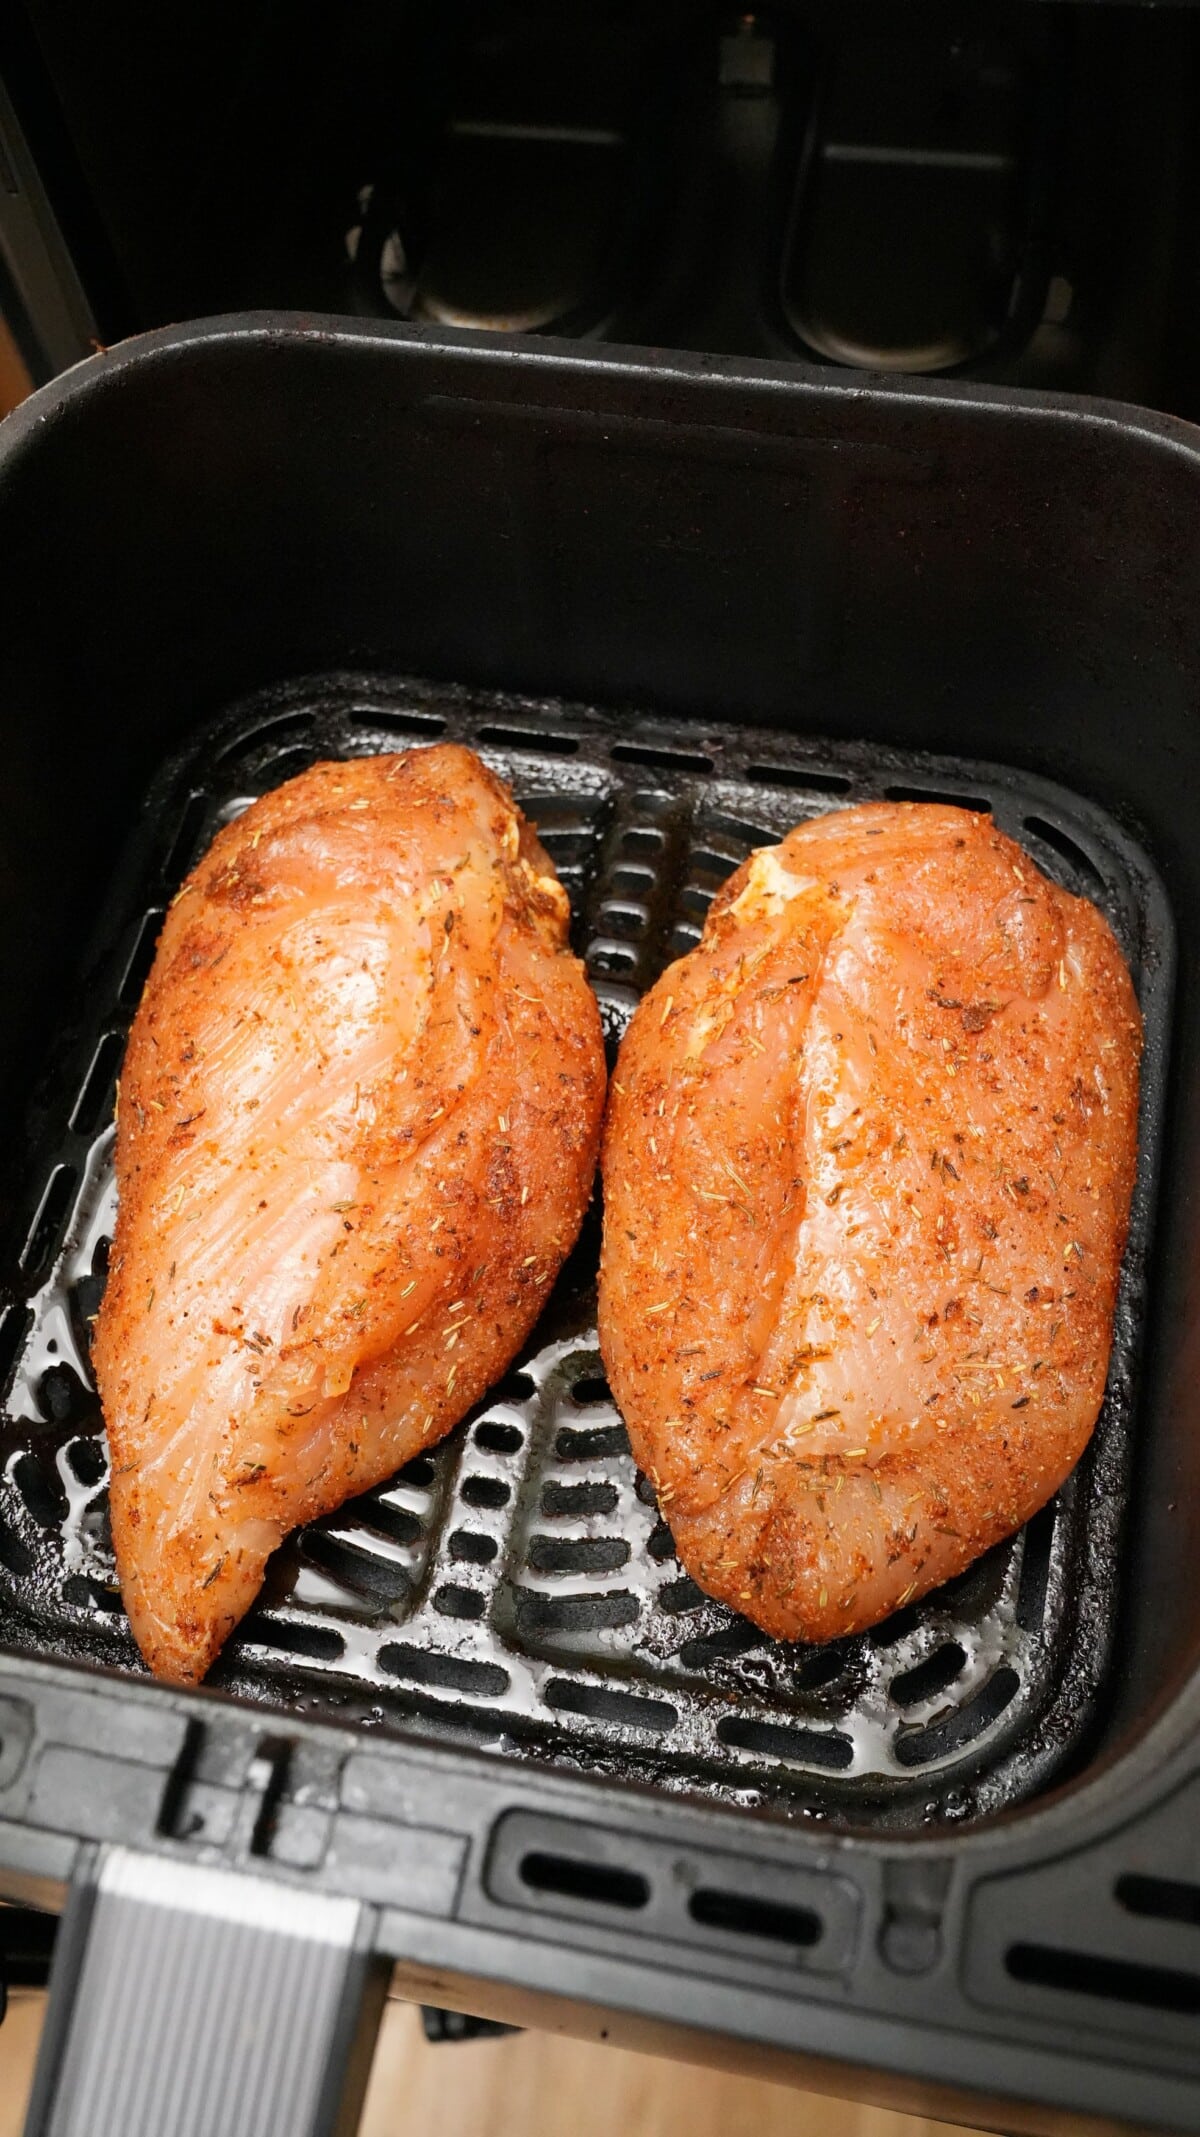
682	605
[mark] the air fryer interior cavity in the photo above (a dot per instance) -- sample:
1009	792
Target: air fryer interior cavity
1012	195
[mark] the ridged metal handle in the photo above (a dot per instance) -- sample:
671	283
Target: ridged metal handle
195	2002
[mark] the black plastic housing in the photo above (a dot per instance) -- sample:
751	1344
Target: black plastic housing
992	577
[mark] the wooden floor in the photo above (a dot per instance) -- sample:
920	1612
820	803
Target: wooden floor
533	2085
538	2085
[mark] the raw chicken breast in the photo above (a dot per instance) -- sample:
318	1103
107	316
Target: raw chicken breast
867	1168
359	1117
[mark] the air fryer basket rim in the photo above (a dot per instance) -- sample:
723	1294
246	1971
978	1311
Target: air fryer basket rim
569	359
91	1758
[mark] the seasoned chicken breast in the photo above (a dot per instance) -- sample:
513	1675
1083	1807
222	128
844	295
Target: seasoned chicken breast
868	1165
359	1117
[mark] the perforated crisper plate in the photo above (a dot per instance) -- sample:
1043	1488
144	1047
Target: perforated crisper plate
518	1584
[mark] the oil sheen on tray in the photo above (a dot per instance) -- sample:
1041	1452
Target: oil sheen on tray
358	1128
868	1169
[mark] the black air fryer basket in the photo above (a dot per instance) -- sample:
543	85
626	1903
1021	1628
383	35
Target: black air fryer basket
481	1734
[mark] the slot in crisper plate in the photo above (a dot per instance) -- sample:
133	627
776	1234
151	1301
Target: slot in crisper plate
517	1586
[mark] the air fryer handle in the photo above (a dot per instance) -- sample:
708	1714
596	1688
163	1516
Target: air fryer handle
188	2001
